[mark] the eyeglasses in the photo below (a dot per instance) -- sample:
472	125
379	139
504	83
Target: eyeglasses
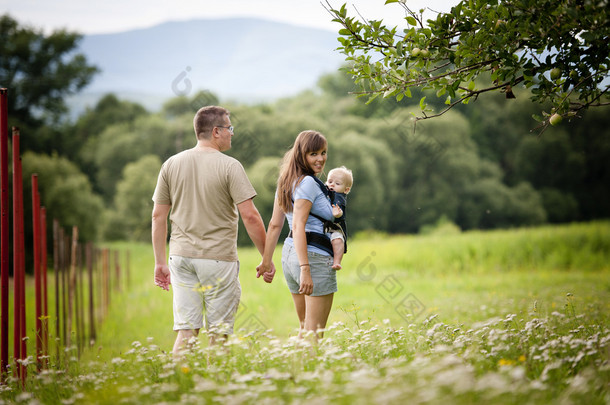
230	128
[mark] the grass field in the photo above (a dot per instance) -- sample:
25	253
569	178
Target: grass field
514	316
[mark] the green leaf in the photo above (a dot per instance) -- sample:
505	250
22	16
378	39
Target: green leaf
391	1
389	92
411	20
422	103
451	91
373	97
344	31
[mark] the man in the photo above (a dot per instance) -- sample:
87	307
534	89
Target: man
202	190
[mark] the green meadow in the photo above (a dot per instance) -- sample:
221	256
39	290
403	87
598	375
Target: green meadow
505	316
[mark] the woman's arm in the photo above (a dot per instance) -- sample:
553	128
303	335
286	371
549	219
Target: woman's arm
266	267
301	211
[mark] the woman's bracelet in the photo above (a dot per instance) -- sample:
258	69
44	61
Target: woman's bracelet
306	264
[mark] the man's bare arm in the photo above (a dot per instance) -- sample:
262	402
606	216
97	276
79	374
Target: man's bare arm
253	223
159	235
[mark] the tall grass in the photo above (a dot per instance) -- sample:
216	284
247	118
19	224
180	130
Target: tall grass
504	316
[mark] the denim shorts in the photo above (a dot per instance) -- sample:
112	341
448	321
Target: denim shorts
323	276
204	285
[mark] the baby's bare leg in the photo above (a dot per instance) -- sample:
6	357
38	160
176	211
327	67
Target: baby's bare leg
338	247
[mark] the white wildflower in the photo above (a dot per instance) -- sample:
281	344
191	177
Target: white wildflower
579	384
518	373
117	360
24	396
274	374
493	382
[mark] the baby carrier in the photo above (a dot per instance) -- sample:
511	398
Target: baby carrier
321	240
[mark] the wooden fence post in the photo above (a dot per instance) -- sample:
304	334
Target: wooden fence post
92	336
99	258
106	280
80	324
117	272
37	273
71	285
74	286
4	261
64	253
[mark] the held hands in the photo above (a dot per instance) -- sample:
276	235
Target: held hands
162	276
337	211
266	270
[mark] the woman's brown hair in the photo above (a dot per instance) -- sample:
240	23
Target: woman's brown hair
295	167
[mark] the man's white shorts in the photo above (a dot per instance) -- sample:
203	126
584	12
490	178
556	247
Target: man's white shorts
204	285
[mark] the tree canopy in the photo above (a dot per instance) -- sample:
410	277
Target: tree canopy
40	71
557	49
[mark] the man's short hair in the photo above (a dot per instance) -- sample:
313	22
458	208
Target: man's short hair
207	118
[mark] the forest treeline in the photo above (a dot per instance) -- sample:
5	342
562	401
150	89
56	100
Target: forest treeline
479	166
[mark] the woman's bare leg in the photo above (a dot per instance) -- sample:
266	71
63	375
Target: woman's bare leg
317	310
299	305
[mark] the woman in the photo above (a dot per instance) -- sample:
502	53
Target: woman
301	199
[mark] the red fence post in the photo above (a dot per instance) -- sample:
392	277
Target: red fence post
117	271
92	319
16	256
106	280
81	299
71	286
56	270
4	237
19	343
65	254
43	268
37	275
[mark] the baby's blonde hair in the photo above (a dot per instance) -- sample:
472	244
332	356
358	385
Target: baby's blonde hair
345	173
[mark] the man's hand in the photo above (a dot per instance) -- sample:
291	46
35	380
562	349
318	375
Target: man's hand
267	271
162	276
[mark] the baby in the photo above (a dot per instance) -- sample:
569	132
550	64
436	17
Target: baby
339	180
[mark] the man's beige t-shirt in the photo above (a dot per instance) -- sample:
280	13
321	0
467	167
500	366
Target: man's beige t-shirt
203	188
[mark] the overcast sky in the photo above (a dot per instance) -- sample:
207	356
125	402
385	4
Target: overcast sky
107	16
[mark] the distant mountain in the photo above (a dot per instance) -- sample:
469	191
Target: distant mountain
239	59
